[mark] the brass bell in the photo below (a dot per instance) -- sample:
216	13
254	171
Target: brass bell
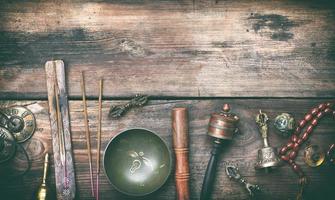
267	156
44	192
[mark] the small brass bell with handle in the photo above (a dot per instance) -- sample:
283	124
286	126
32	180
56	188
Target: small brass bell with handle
44	191
267	156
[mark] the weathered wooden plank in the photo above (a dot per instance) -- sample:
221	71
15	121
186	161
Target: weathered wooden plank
171	48
280	184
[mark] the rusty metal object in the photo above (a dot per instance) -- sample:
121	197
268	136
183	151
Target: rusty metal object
222	126
267	156
314	156
119	110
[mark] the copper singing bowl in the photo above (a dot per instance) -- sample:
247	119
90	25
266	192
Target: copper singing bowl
137	162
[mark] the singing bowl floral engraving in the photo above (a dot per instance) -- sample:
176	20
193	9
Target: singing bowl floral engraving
137	162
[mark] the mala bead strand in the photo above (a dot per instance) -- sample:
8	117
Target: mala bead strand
289	152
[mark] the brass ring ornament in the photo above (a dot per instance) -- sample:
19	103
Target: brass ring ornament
314	156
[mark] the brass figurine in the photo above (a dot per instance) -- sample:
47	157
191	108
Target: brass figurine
233	173
267	156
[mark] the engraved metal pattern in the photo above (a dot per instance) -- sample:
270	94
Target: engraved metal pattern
267	156
20	122
7	145
284	124
314	156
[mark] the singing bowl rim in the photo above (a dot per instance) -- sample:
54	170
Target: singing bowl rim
169	157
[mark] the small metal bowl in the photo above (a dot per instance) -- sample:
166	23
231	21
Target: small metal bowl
137	162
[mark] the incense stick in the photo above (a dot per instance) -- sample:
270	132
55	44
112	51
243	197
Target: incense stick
61	137
88	139
61	142
99	138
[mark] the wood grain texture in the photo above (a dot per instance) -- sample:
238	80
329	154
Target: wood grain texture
62	147
170	48
180	144
280	184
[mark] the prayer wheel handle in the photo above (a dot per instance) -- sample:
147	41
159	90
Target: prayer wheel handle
222	126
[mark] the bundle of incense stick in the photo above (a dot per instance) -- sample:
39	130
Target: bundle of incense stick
88	139
96	192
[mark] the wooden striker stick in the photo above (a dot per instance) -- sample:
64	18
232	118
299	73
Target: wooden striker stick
180	146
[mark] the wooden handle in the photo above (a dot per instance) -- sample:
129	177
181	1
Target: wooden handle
207	186
180	146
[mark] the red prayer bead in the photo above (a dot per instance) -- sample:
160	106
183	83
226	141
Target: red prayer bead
283	150
295	147
314	122
294	138
327	110
309	129
305	136
302	123
292	155
296	168
308	117
290	145
322	106
299	141
319	115
314	111
328	104
290	161
285	158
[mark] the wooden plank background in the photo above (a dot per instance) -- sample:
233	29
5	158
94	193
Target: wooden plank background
202	48
278	56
